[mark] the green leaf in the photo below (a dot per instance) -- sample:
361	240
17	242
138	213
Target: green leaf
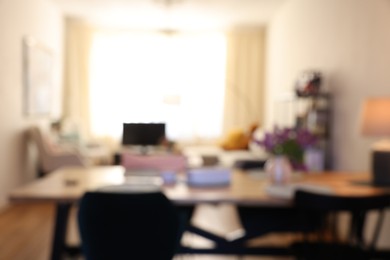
292	149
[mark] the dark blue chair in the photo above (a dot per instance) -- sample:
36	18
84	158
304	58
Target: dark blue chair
120	225
327	244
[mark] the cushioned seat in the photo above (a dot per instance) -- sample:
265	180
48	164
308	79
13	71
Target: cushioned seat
52	156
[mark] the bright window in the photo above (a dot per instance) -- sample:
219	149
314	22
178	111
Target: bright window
178	79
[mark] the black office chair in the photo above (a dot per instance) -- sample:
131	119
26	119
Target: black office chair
327	244
116	225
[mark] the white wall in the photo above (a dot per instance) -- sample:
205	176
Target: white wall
349	41
18	18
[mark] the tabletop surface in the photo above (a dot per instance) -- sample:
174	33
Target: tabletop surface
246	188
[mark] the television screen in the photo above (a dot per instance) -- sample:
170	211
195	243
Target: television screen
143	133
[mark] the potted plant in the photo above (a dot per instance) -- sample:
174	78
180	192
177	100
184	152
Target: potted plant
286	147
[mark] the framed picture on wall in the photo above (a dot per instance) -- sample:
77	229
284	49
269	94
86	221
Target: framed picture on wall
37	77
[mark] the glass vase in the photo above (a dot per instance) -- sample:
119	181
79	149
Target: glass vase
278	169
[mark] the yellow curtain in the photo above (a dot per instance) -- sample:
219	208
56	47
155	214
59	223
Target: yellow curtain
76	76
244	95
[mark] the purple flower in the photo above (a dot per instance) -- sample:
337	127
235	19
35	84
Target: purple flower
290	142
305	138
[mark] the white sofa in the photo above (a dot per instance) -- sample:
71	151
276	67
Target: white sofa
199	155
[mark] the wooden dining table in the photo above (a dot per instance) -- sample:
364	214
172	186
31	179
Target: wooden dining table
249	191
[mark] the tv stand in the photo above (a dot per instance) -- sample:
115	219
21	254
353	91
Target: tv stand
148	150
144	150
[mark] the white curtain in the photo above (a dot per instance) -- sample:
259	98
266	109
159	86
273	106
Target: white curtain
199	84
76	79
244	94
178	79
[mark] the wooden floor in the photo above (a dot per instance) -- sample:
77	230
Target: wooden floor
26	230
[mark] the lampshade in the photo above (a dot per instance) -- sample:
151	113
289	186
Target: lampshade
376	117
376	122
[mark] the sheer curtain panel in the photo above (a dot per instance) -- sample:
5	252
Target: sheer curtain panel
244	94
145	77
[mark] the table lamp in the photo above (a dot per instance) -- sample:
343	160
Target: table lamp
376	122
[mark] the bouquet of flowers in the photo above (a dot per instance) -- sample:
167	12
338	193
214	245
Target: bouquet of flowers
290	142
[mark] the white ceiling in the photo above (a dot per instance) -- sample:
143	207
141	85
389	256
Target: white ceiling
172	14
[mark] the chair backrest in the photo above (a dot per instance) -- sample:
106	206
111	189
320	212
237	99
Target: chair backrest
358	206
330	202
115	225
37	137
43	148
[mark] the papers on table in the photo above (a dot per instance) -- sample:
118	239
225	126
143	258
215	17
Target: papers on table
287	191
143	177
139	187
200	177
